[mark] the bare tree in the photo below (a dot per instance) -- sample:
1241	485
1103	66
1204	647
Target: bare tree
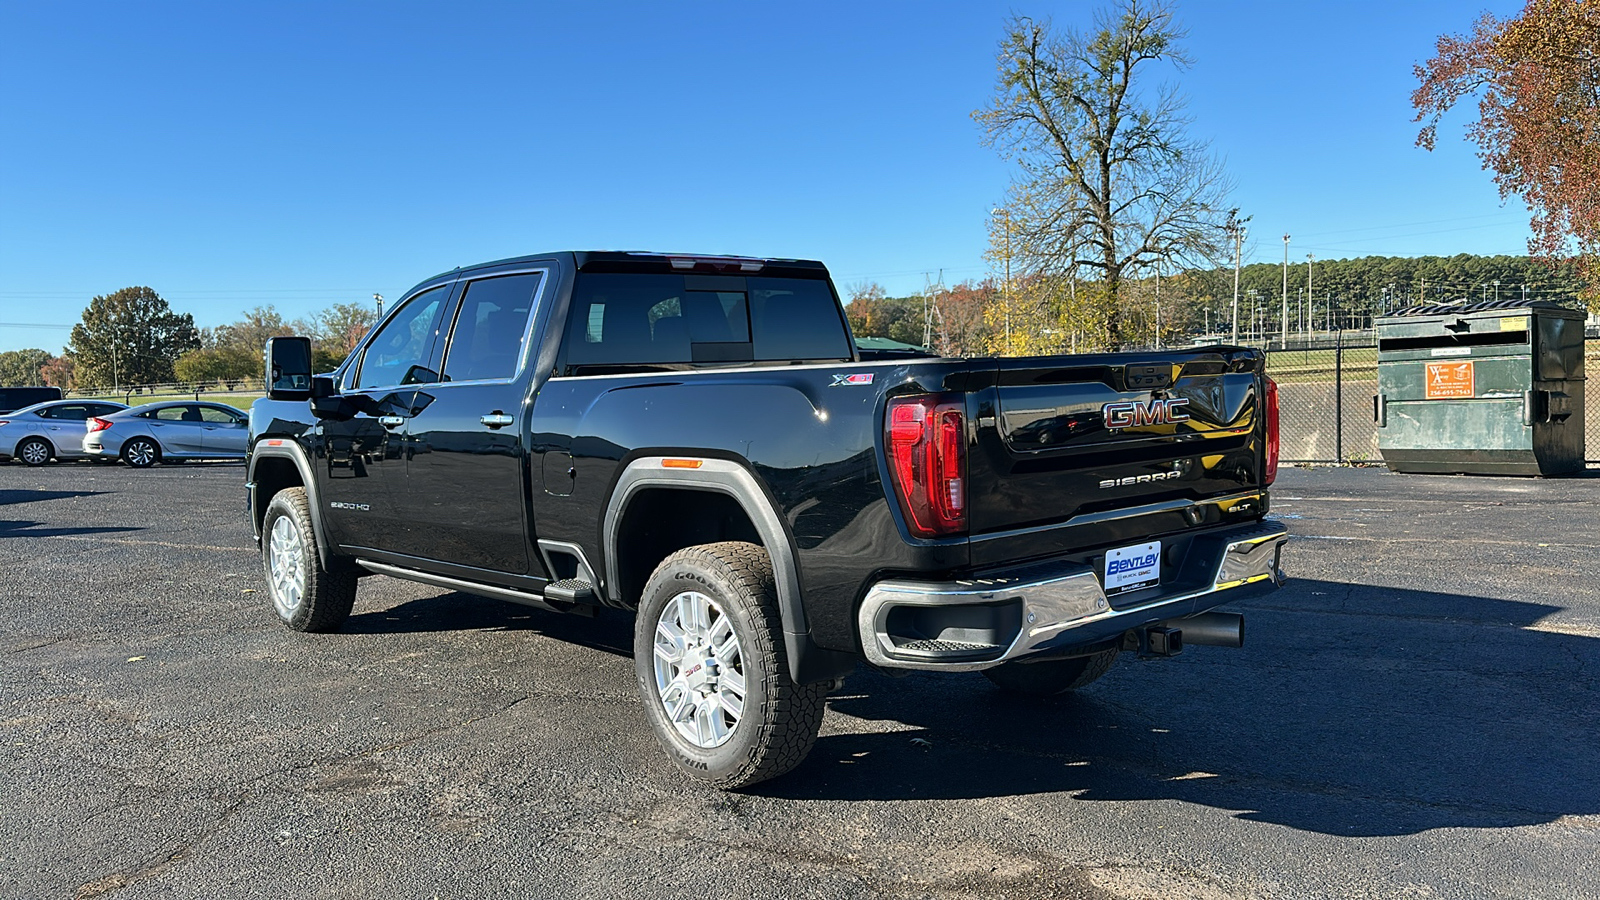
1111	186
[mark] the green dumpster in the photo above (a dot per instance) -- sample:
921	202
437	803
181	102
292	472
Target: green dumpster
1492	388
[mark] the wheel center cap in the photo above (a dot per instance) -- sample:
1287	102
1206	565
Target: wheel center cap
700	673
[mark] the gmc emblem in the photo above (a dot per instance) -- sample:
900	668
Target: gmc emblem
1155	411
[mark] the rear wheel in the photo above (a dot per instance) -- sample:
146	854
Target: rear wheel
1057	676
306	596
35	451
712	670
141	453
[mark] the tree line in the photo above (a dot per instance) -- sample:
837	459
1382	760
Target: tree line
1052	314
132	337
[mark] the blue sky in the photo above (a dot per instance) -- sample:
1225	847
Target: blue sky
298	154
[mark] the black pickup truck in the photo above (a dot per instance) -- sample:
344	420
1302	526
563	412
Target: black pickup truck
700	441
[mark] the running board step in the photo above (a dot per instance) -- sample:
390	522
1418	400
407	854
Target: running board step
527	598
570	590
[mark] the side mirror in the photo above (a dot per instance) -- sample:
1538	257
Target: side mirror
288	367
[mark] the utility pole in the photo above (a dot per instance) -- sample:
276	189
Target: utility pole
1497	290
1283	335
1524	293
1239	231
379	299
1311	299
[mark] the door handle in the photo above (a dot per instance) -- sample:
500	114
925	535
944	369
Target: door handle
391	421
496	419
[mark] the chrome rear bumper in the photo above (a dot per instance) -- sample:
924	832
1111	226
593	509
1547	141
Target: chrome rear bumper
969	625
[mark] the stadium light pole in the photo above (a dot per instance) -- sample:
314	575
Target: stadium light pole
1239	232
1311	299
378	298
1283	333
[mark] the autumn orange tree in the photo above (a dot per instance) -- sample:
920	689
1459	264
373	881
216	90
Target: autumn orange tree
1537	80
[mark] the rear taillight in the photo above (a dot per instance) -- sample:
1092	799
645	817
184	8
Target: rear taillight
98	424
1271	473
926	438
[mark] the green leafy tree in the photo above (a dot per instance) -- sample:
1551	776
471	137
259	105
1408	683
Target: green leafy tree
341	326
21	367
251	332
224	365
130	337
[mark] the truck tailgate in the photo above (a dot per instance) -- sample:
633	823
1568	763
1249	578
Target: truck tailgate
1089	451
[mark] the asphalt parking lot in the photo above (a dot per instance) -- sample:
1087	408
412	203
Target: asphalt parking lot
1416	715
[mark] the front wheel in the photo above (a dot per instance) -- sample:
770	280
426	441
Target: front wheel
35	451
1051	677
141	453
713	672
306	596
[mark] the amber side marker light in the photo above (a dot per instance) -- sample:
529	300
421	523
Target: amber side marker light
682	463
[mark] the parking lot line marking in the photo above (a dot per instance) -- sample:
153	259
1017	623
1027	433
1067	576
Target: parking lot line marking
101	540
1454	539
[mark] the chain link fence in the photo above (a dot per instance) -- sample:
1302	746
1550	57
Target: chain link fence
231	393
1325	391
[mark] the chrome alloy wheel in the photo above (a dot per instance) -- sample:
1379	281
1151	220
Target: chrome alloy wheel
285	550
142	453
699	670
35	453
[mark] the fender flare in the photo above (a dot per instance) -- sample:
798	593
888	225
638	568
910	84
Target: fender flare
292	451
807	661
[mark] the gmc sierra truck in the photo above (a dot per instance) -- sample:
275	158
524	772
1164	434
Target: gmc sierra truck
699	440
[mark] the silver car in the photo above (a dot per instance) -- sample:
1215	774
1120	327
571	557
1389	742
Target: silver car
169	432
52	430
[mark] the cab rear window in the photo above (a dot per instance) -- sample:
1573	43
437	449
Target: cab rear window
623	319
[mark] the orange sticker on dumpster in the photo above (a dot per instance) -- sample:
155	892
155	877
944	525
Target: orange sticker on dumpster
1449	380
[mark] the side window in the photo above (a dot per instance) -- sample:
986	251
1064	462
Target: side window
630	319
104	409
218	416
178	414
398	351
76	412
627	319
486	340
796	319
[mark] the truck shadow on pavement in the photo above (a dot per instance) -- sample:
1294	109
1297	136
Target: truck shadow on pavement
34	529
1352	710
609	630
12	496
25	528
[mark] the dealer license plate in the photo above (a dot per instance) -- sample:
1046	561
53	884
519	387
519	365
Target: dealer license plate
1132	568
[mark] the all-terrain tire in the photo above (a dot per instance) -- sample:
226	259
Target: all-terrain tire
35	451
731	586
141	452
306	596
1052	677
